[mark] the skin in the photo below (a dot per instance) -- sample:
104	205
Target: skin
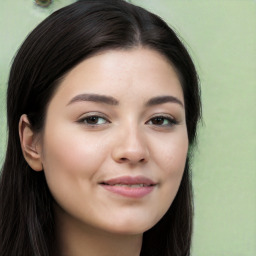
77	152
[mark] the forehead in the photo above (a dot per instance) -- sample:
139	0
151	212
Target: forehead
130	73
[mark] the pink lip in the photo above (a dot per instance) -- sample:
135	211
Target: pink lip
131	190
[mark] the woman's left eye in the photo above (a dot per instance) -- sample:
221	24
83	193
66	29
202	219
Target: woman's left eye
162	121
93	120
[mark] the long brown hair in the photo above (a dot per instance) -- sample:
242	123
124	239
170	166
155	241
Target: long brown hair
55	46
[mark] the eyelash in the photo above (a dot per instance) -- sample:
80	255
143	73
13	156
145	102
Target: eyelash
85	119
171	121
96	117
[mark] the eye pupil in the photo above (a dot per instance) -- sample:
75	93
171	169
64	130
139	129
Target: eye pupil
93	120
158	120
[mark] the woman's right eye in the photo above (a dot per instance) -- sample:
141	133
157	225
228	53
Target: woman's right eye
93	120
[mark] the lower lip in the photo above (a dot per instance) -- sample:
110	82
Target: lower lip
133	192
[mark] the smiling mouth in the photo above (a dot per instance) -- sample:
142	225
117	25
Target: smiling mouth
128	185
133	187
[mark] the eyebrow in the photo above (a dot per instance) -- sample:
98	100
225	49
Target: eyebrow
112	101
163	99
94	98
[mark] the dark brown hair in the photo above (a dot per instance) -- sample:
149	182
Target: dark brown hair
60	42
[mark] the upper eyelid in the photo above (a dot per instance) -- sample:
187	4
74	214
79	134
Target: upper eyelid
169	117
102	115
89	114
165	115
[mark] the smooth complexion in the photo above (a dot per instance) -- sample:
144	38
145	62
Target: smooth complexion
113	150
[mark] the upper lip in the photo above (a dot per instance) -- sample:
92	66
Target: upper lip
129	180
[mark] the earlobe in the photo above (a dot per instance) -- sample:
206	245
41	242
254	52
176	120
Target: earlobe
29	144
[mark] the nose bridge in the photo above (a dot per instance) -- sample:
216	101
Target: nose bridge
132	144
134	138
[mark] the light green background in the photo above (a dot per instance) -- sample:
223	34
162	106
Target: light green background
221	37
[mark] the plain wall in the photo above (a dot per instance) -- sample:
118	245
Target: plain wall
221	37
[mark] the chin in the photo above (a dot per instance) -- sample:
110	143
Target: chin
132	227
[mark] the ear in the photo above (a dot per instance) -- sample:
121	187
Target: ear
29	144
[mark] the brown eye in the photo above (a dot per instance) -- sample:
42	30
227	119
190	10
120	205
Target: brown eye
162	121
92	120
43	3
158	120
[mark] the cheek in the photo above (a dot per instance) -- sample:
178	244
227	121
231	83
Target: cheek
71	165
70	157
171	154
71	149
171	158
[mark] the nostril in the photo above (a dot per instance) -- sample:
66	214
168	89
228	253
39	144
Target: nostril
124	159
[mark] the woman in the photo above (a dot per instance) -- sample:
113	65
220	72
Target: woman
103	103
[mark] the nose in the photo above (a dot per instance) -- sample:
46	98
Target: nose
131	147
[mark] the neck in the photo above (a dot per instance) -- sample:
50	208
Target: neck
76	239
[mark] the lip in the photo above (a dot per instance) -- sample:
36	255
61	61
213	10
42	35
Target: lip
128	186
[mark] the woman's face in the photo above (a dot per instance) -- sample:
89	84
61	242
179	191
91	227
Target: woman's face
114	144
